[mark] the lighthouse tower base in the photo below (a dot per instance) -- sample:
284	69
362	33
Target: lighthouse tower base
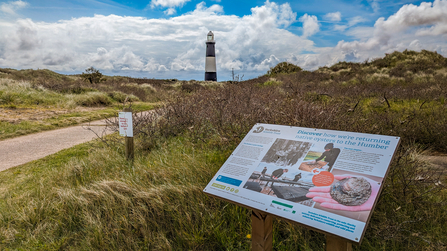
210	76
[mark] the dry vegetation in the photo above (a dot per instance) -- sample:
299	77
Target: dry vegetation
36	100
98	200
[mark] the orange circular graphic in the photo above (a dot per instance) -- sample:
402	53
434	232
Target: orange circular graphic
324	178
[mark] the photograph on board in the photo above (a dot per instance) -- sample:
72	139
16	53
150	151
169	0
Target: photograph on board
323	160
278	173
351	194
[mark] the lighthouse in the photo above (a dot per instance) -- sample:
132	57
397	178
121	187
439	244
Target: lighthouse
210	62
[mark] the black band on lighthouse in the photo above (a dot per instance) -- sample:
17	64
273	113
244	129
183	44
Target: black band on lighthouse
210	76
210	50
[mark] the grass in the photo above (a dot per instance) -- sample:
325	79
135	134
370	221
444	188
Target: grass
62	200
28	108
90	198
14	93
20	125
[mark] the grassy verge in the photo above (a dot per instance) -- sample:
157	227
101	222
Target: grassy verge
90	198
23	126
62	201
84	199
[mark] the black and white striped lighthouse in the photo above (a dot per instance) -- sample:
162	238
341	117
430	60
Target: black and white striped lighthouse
210	63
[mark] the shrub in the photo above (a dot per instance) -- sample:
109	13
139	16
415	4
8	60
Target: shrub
92	99
270	82
345	65
220	118
92	75
284	68
121	97
191	87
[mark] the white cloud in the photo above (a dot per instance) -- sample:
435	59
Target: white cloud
310	25
351	22
215	8
414	45
170	11
401	29
168	3
11	7
334	16
361	32
374	5
339	27
175	46
356	20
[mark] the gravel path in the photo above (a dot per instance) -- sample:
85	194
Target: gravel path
23	149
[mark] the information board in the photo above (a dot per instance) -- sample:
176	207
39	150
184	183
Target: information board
125	124
327	180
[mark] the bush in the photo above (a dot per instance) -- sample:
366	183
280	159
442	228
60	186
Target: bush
284	68
92	99
410	202
92	75
121	97
189	87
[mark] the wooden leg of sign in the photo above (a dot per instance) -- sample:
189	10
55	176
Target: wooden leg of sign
129	148
334	243
261	231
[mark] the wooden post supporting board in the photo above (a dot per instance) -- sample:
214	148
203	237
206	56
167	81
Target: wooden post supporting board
129	141
261	231
334	243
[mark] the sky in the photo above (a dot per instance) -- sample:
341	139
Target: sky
165	39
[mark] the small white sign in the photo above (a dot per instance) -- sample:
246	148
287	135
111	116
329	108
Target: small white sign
125	124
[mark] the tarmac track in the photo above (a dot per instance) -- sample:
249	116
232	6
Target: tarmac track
23	149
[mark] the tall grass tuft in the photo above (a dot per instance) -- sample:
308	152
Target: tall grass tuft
15	93
91	99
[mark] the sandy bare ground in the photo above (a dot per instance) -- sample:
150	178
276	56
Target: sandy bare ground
438	160
17	115
23	149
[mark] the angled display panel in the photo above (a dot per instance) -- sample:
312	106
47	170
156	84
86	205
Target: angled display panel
324	179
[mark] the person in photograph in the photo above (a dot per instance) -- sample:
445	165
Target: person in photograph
264	171
297	177
329	155
279	172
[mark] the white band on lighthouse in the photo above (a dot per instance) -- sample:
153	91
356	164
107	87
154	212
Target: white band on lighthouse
210	64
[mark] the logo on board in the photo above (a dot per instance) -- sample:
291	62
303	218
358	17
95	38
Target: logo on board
259	129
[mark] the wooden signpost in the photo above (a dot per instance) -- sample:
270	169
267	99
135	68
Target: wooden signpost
261	231
126	130
334	243
336	193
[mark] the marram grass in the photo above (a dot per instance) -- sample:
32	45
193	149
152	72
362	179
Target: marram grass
97	200
91	198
